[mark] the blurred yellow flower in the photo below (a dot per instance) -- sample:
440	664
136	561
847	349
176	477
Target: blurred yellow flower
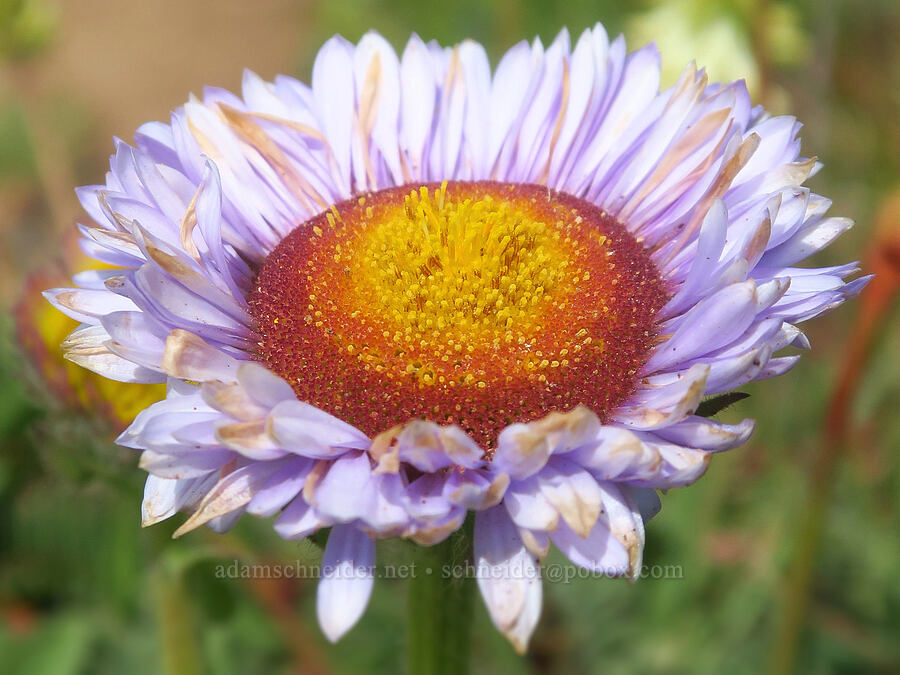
41	329
686	30
732	39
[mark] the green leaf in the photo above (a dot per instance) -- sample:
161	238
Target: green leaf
60	645
716	404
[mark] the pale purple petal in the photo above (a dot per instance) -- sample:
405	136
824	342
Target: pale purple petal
341	494
281	488
346	581
309	431
600	552
509	577
299	520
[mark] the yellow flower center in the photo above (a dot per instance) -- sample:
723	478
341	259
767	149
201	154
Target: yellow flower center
478	304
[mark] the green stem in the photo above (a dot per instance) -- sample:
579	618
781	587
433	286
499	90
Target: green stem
180	654
440	605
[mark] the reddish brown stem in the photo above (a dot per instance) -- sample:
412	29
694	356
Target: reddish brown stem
875	306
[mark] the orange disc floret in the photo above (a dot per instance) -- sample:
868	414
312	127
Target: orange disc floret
471	303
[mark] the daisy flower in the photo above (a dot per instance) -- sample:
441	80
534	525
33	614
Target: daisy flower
418	287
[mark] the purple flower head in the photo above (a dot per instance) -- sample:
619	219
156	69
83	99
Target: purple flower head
420	287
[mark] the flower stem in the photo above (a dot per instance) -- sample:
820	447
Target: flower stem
440	605
176	622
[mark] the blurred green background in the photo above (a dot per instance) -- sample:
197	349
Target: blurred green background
83	589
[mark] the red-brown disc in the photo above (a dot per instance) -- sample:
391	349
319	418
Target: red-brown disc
479	304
